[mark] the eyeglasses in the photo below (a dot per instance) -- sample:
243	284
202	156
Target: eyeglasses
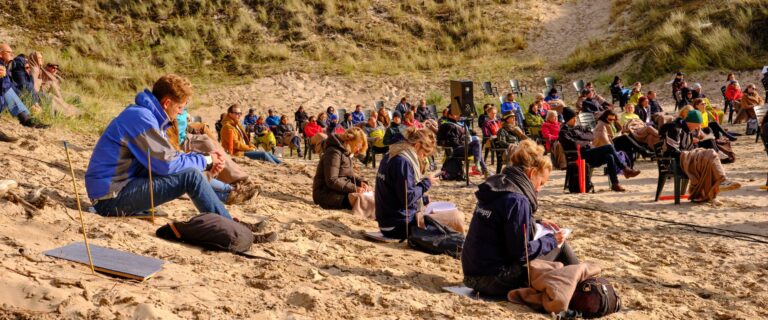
611	119
237	113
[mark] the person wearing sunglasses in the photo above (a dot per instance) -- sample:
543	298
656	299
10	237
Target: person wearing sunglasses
9	93
237	142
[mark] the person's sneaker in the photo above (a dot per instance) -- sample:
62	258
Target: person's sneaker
254	227
6	138
617	188
630	173
34	123
722	155
729	186
265	237
242	191
474	172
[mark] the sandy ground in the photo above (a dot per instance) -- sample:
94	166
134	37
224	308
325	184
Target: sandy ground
326	269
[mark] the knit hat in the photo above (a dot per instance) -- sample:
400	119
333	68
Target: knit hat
568	114
694	116
507	114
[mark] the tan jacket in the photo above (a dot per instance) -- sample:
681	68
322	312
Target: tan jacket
234	139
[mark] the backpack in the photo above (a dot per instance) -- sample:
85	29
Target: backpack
210	231
436	238
751	127
594	298
452	170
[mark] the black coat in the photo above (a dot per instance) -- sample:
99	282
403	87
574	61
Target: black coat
450	134
571	136
335	177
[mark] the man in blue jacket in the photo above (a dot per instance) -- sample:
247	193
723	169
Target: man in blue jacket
272	120
358	116
117	178
512	105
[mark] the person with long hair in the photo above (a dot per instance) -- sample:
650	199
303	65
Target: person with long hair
335	178
747	103
403	175
494	254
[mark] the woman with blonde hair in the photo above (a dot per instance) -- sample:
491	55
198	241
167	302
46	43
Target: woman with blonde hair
384	117
335	177
403	175
494	253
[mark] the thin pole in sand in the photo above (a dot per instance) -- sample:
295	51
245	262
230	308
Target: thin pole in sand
79	208
407	217
527	263
151	193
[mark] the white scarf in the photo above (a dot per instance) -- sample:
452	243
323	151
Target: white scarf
407	151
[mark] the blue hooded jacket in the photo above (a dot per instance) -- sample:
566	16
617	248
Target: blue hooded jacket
495	239
358	117
120	154
391	180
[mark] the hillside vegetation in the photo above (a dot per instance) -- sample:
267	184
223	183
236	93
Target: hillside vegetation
663	36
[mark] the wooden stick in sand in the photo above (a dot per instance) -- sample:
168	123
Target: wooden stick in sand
79	208
151	193
405	184
527	263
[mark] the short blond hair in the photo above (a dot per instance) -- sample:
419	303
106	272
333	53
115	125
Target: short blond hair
354	137
174	87
528	154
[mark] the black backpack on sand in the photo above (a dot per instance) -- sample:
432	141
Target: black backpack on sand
436	238
594	298
210	231
452	170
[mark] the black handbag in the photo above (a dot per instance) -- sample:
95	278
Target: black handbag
436	238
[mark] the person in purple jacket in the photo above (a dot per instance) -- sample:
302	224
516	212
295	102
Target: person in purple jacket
117	178
494	254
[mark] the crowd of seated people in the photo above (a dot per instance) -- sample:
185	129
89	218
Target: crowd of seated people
17	80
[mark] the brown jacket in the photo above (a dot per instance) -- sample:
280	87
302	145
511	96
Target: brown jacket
553	284
234	139
335	177
603	134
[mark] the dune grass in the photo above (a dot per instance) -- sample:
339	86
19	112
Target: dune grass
663	36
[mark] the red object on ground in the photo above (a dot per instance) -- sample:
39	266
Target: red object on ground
582	170
672	197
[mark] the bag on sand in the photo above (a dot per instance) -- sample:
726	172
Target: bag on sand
210	231
595	298
751	127
452	170
436	238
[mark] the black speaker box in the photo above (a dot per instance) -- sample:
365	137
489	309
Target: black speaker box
462	98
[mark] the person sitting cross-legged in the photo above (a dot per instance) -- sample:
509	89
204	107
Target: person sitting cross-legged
235	141
117	178
496	249
572	135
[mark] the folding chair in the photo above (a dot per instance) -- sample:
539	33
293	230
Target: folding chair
669	168
579	85
516	87
489	89
587	119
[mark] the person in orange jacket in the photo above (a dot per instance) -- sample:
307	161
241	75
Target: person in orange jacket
235	140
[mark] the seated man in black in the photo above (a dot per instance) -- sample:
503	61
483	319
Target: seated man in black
451	134
572	135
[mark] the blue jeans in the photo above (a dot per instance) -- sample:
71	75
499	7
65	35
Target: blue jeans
134	198
13	104
222	189
263	156
474	150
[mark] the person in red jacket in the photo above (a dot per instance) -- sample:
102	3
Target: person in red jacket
550	129
314	132
733	91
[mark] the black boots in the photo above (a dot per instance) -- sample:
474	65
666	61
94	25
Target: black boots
29	121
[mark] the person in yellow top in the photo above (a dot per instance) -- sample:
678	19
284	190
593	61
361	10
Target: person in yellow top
628	114
236	142
634	96
710	126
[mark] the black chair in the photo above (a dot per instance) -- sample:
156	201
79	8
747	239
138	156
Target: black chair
570	158
489	89
669	168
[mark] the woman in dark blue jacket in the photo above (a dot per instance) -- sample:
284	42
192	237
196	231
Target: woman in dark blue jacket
494	253
402	176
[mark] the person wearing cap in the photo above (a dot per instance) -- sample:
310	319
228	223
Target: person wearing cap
746	106
702	165
508	134
572	135
394	133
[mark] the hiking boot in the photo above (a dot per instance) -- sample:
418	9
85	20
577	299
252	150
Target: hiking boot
243	191
255	227
617	188
31	122
630	173
729	186
265	237
6	138
731	137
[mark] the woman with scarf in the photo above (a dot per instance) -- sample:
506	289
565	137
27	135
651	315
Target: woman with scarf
494	254
402	175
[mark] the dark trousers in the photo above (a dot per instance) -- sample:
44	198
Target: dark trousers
474	150
605	155
717	130
516	276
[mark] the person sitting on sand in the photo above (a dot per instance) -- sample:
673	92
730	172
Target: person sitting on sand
402	175
9	100
235	141
572	135
494	257
452	135
358	116
702	166
335	177
315	133
394	133
116	178
288	135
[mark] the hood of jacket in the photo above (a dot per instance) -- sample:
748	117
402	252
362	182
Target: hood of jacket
511	179
147	100
333	141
